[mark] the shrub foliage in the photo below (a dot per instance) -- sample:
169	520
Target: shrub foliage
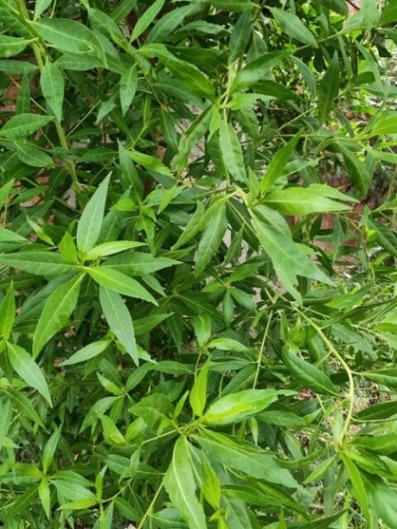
197	244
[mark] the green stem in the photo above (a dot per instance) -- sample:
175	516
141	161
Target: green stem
60	131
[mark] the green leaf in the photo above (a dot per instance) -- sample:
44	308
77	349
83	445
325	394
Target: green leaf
5	192
52	85
40	7
257	70
7	313
22	125
211	238
308	374
146	19
198	393
386	377
238	406
139	263
25	406
168	23
39	263
90	224
86	353
149	162
28	370
118	282
380	412
180	484
128	86
240	36
11	46
110	248
232	154
389	13
358	485
294	27
287	258
33	156
49	449
305	200
384	501
189	74
277	164
244	457
235	6
72	485
56	312
67	35
328	89
357	171
119	320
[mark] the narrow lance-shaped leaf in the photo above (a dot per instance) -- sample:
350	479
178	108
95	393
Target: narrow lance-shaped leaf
328	89
67	35
198	393
56	312
211	238
146	19
358	485
28	370
128	86
90	224
119	320
294	27
119	282
11	46
22	125
308	374
7	313
52	85
231	152
41	263
257	70
277	163
86	353
180	484
238	406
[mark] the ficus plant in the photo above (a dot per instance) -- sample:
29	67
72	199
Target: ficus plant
197	246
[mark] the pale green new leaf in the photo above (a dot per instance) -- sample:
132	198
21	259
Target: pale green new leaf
90	224
238	406
52	85
149	162
28	370
180	484
119	320
56	312
198	393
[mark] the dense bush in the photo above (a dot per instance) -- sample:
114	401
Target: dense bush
198	313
